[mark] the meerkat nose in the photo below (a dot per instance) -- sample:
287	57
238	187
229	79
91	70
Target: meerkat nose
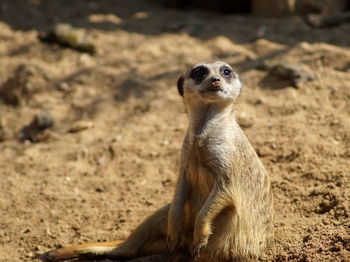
215	79
215	82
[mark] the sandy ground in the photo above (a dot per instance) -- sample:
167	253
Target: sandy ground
98	183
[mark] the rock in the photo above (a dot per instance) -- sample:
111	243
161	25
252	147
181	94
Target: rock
244	120
80	126
278	8
223	47
26	231
167	182
69	36
105	18
321	21
34	131
27	80
43	120
64	87
264	47
293	72
263	151
99	190
273	8
304	7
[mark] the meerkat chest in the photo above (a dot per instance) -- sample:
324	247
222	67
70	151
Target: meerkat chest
212	151
200	179
200	185
205	161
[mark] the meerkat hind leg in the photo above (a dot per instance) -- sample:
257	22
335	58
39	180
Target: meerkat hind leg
148	238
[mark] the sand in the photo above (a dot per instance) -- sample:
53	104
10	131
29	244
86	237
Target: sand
112	156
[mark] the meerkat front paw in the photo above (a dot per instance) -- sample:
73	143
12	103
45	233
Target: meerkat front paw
200	238
200	241
198	245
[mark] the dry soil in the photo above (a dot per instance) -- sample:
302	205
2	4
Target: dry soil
112	156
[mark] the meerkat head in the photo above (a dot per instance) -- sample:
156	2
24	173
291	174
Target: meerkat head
210	83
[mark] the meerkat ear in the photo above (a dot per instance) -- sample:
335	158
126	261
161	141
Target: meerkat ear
180	85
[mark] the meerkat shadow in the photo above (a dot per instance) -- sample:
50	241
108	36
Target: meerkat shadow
181	257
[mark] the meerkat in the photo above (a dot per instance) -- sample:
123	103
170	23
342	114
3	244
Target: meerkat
222	209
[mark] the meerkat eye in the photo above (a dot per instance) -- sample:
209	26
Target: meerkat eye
227	72
199	73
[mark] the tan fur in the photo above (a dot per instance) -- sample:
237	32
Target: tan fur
222	207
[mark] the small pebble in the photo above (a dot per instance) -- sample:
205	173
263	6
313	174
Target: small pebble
244	120
80	126
69	36
25	231
34	131
295	73
64	86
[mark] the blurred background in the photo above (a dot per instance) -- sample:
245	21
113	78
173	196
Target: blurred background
91	123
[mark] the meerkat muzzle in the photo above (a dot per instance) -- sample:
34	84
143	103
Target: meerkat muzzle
215	84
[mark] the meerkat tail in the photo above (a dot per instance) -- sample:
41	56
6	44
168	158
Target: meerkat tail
80	251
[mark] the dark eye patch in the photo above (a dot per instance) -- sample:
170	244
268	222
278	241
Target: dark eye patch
199	73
